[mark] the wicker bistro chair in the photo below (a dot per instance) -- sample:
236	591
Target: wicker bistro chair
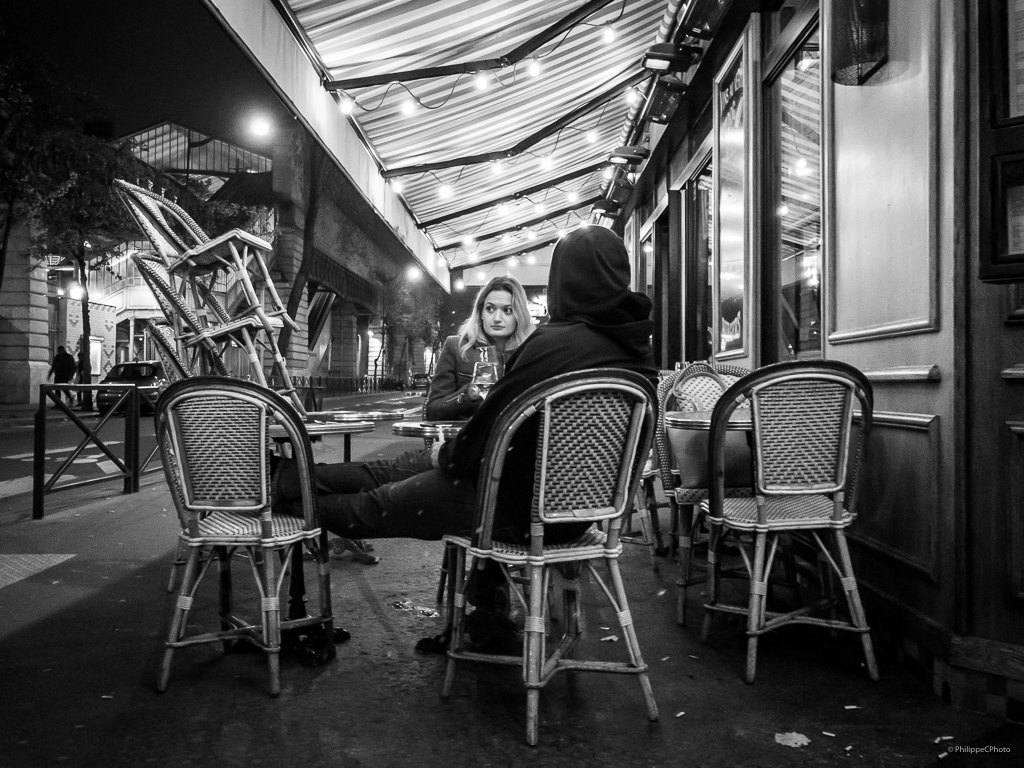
806	448
594	433
682	463
214	435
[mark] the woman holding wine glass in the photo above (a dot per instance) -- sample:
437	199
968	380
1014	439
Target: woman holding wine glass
474	359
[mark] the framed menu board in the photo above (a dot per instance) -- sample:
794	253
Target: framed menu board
1000	46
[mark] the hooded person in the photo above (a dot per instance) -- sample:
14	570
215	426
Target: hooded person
596	321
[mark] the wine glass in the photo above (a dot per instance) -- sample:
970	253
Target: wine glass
485	375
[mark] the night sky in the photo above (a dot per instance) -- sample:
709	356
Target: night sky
149	61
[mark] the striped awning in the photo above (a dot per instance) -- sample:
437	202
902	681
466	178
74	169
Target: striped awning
494	144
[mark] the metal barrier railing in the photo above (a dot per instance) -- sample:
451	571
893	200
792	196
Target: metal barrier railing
129	467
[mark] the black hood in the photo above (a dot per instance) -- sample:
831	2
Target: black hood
589	283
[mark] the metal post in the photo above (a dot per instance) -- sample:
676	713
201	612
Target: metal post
39	456
131	441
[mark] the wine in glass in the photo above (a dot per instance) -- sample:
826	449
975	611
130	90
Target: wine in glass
485	375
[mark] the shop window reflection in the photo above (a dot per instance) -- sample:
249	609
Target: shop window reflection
796	97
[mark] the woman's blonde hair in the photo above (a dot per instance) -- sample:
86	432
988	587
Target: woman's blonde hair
471	332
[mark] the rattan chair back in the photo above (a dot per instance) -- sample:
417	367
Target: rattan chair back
805	439
166	225
215	446
595	429
166	345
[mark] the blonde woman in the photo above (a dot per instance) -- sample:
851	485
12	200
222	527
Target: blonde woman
499	323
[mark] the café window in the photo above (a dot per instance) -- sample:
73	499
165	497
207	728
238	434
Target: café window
730	168
793	206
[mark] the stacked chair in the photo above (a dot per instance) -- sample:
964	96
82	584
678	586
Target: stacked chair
807	441
594	432
183	276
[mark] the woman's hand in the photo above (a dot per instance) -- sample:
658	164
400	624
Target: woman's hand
473	393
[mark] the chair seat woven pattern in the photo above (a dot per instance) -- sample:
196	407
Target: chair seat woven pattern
789	512
596	459
239	528
593	539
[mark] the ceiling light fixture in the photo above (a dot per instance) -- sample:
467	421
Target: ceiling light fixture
631	155
665	99
606	208
668	57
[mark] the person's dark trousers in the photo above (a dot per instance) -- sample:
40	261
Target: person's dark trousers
389	498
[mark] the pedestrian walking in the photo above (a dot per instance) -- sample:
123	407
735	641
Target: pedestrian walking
63	369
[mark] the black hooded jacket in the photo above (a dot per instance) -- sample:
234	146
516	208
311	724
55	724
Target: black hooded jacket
596	321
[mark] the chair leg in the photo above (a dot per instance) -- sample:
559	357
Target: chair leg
756	606
177	564
629	633
533	652
687	514
442	578
849	583
180	618
271	605
225	590
456	615
715	534
323	556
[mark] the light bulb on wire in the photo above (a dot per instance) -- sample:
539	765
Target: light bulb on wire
608	35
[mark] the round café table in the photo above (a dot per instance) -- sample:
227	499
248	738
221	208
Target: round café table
429	430
739	420
327	428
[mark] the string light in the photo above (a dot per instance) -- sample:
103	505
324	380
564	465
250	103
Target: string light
498	168
513	262
397	186
481	82
531	259
408	107
632	96
444	191
782	210
459	285
502	209
531	235
481	275
468	241
592	137
346	104
561	234
546	163
609	33
538	209
573	198
506	239
533	68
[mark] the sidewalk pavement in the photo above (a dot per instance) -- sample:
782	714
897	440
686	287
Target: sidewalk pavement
85	611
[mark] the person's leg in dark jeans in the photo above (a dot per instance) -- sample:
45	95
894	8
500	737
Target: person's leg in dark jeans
352	477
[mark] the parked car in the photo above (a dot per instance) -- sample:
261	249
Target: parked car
420	381
148	375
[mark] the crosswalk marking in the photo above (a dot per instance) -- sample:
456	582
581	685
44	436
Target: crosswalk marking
15	568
